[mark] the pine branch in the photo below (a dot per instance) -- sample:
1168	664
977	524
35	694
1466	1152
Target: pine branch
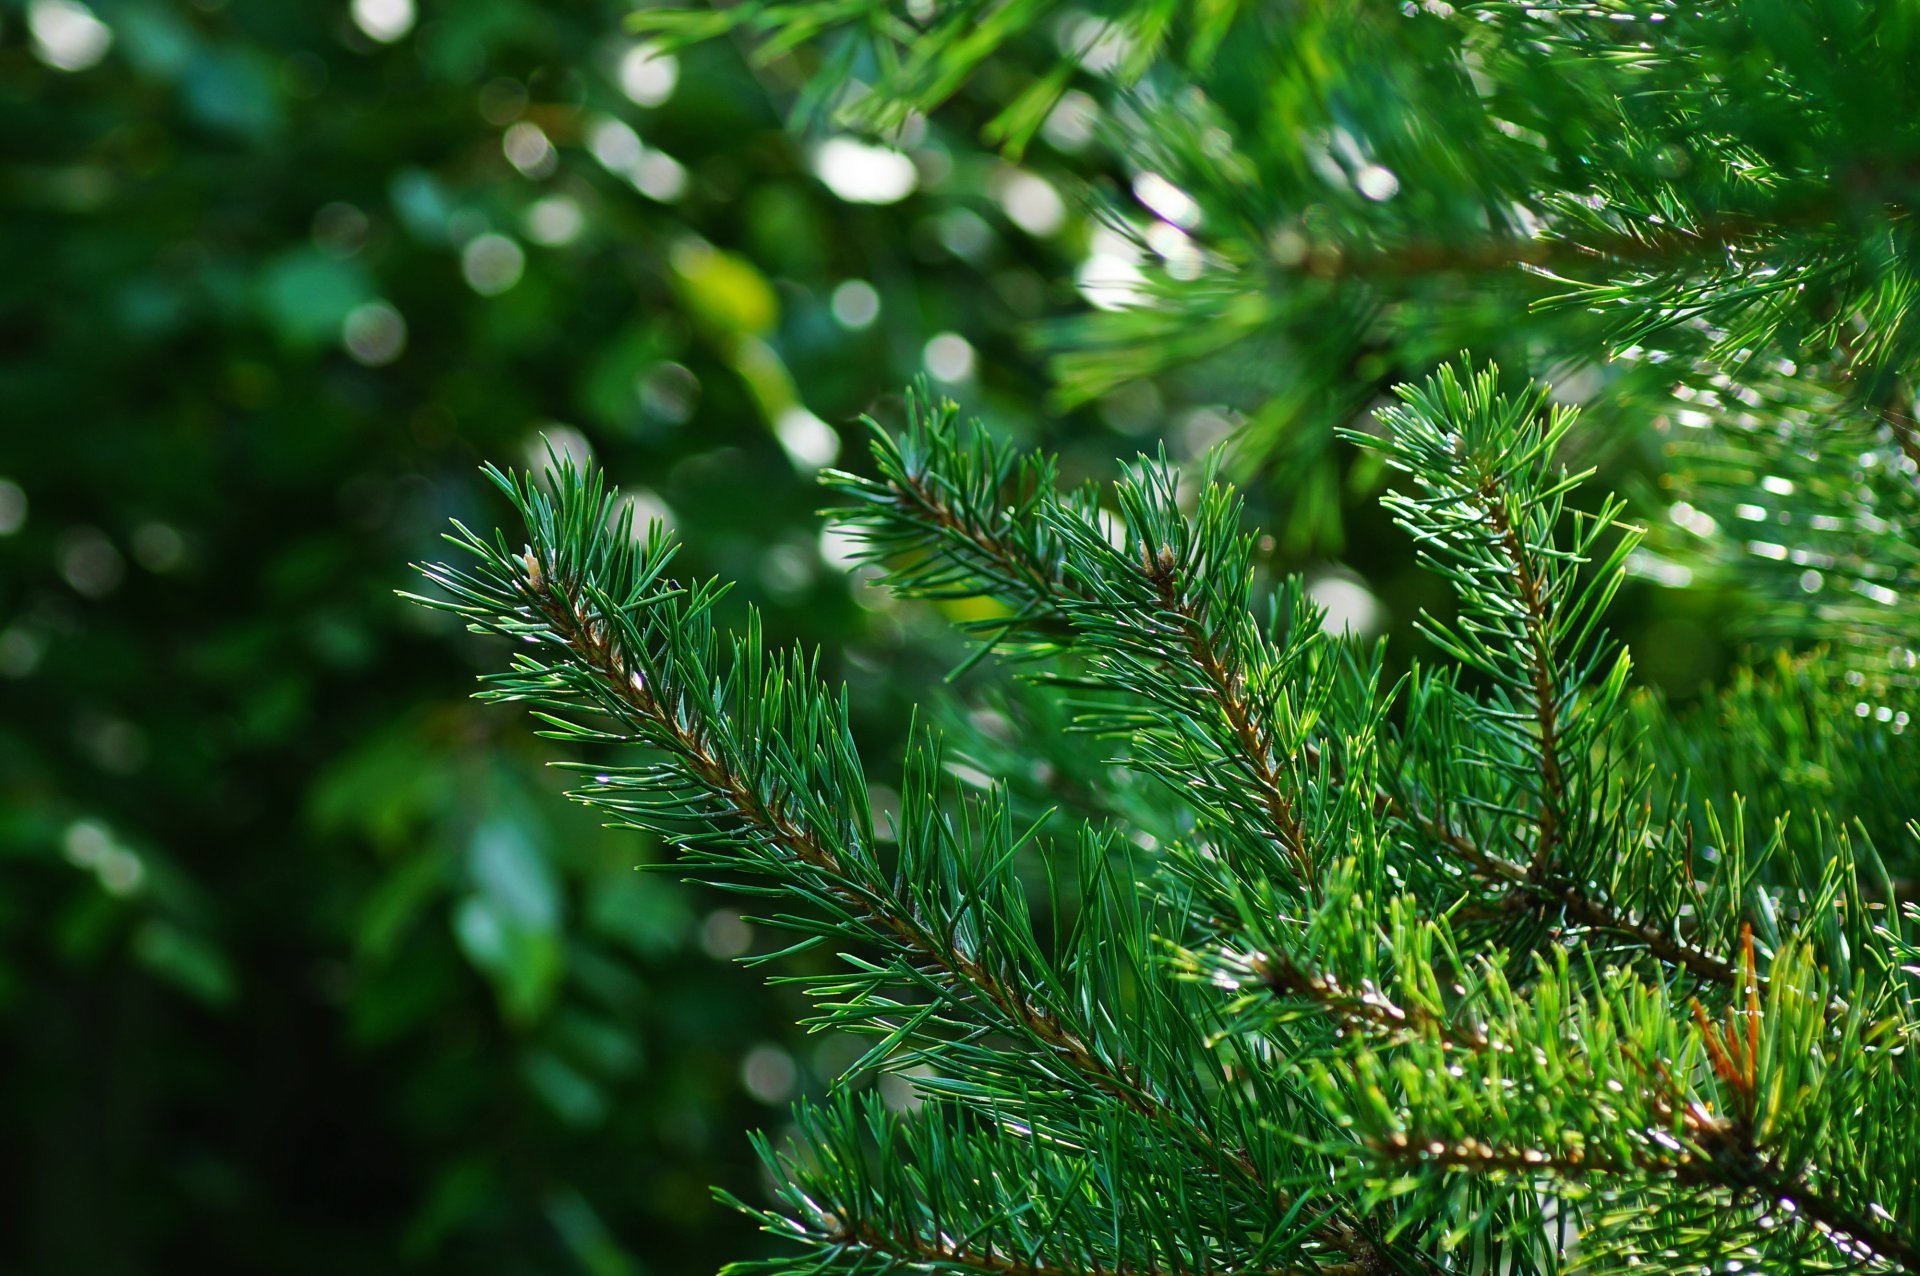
1224	682
1367	1012
962	517
1644	1122
1809	496
766	820
1482	1034
1559	247
540	595
1860	1238
635	647
868	1185
1585	1073
1542	667
981	522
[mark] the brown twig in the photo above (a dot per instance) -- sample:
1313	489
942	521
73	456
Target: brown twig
1546	689
1226	687
1367	1009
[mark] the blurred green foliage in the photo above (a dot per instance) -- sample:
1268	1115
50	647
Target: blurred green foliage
298	969
295	971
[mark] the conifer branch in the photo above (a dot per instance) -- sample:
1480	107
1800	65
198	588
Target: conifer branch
545	595
987	520
1649	246
1367	1011
969	520
985	1203
947	1254
1732	1152
768	822
1860	1237
1575	1068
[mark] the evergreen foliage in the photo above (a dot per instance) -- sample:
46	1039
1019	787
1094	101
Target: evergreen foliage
1698	214
1275	952
1492	965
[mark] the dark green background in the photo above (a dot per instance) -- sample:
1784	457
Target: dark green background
302	966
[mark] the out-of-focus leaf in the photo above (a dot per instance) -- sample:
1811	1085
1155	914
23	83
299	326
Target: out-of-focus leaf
307	295
724	290
575	1097
187	961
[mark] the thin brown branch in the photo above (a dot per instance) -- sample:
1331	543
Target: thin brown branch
589	640
1724	1152
1224	682
1546	682
1226	686
1367	1009
1649	246
1416	259
1717	1165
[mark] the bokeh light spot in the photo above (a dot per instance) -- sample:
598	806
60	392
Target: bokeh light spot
669	393
491	264
659	176
340	229
90	563
855	304
1069	125
647	75
725	934
555	221
1109	277
375	334
1376	182
949	357
647	510
526	147
863	174
1350	606
1166	200
808	441
615	144
13	507
66	34
384	20
1030	202
768	1073
158	547
20	651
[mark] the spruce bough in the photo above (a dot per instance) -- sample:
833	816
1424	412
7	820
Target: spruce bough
1497	966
